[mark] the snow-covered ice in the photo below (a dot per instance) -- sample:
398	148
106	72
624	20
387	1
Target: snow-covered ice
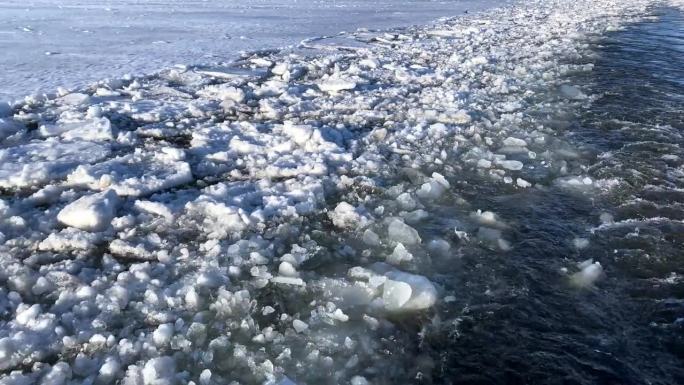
91	212
36	163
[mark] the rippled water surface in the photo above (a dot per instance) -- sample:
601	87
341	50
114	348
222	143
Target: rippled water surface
516	319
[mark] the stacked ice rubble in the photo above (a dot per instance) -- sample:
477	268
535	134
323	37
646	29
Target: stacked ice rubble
266	222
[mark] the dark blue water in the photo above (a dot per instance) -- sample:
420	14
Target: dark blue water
518	322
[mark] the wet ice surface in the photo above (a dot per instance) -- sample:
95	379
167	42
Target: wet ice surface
457	203
45	44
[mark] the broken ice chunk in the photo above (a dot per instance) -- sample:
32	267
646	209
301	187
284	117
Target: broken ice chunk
513	165
434	188
407	292
370	238
484	163
287	270
155	208
223	92
108	370
399	255
163	334
91	212
346	216
396	294
300	134
299	326
590	272
160	370
398	231
336	84
523	183
487	218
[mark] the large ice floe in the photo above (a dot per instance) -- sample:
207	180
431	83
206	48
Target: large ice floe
266	221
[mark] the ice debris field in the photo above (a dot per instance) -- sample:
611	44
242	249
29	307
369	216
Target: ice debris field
269	221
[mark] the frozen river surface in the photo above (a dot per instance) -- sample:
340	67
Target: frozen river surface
45	44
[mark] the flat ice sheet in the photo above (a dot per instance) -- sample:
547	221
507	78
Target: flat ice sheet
45	44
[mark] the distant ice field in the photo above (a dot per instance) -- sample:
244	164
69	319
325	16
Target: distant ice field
45	44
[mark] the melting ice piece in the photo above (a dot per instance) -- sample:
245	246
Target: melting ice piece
399	231
439	247
370	238
404	292
91	212
590	273
493	236
396	294
299	326
580	243
163	334
514	142
523	183
571	92
487	218
434	188
287	270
